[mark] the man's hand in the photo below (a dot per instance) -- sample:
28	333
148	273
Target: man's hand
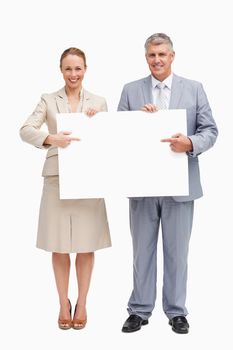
179	143
149	107
62	139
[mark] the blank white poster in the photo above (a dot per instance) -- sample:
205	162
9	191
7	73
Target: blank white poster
121	153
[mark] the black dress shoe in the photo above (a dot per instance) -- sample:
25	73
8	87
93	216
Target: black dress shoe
179	324
133	324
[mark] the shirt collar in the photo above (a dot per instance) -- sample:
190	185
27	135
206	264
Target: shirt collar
167	81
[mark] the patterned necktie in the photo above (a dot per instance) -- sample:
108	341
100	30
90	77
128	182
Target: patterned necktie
161	102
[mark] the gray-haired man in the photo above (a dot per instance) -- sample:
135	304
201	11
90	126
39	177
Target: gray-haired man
163	89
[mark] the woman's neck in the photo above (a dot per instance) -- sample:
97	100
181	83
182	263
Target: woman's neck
73	93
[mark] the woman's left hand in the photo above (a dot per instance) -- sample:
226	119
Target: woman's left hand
90	112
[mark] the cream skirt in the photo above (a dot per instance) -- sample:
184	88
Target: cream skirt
71	225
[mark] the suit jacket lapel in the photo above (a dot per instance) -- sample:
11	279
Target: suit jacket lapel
61	101
85	104
176	92
147	90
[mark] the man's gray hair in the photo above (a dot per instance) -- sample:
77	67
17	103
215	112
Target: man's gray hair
158	39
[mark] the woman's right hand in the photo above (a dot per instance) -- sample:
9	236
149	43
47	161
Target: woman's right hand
62	139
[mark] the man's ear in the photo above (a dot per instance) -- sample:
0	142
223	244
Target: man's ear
173	56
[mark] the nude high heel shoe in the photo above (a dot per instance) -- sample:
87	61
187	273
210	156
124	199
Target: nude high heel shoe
63	323
77	323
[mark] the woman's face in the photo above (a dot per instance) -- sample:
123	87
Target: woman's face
73	70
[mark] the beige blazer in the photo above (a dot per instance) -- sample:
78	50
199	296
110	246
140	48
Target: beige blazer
45	112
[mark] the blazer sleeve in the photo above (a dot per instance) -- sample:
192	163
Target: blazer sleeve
30	131
123	103
206	129
104	107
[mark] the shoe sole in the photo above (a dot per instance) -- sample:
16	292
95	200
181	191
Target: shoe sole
176	331
64	328
144	322
180	332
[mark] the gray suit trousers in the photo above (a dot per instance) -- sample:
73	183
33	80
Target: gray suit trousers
176	224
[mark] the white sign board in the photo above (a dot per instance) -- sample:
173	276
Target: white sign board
121	153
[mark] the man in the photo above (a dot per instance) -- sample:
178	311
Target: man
163	89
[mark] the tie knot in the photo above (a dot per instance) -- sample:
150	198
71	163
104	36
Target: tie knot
161	86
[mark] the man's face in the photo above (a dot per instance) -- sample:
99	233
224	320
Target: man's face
159	59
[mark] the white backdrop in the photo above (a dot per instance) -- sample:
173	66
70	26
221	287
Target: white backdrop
112	34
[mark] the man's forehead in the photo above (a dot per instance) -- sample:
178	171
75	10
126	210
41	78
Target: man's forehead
158	48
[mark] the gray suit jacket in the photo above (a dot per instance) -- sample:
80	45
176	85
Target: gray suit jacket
45	112
201	128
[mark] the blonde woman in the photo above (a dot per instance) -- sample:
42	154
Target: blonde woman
67	226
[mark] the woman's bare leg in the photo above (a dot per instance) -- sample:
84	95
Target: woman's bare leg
84	266
61	267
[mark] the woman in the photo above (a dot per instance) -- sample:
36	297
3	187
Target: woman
67	226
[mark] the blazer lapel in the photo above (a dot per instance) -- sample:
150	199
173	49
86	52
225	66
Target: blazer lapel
61	101
147	90
85	104
176	92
